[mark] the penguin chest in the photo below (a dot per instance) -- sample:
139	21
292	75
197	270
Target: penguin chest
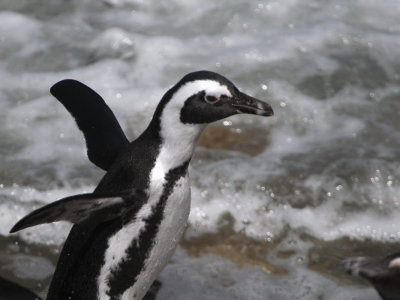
170	230
138	252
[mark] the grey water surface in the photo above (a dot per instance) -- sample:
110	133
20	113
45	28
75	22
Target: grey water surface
277	202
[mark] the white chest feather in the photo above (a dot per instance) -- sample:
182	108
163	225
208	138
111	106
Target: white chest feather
172	226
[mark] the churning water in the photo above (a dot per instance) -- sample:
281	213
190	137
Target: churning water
277	202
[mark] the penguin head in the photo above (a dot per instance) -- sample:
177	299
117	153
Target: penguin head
197	99
203	97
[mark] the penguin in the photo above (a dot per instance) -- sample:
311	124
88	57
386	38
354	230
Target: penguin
382	272
127	229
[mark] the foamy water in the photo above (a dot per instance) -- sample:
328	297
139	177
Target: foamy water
322	185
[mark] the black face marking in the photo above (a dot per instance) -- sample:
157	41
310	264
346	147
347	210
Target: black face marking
198	111
125	275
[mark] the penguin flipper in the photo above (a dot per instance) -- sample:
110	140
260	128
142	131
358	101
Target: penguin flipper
103	134
82	207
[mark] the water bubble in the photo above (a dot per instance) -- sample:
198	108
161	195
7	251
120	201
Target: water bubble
374	179
227	123
339	187
282	104
299	260
303	49
264	87
246	221
204	193
268	236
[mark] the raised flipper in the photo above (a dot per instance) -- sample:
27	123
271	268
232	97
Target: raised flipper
103	134
79	208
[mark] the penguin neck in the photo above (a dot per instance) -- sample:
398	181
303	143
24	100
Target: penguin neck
179	140
176	139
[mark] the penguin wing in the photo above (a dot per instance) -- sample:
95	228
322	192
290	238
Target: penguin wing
103	134
83	207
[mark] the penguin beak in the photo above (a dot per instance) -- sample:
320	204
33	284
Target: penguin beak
246	104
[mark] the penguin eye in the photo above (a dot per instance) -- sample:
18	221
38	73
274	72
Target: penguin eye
211	99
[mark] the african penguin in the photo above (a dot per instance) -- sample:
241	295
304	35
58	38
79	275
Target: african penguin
382	272
128	228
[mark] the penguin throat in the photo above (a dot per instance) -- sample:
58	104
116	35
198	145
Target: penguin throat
178	140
